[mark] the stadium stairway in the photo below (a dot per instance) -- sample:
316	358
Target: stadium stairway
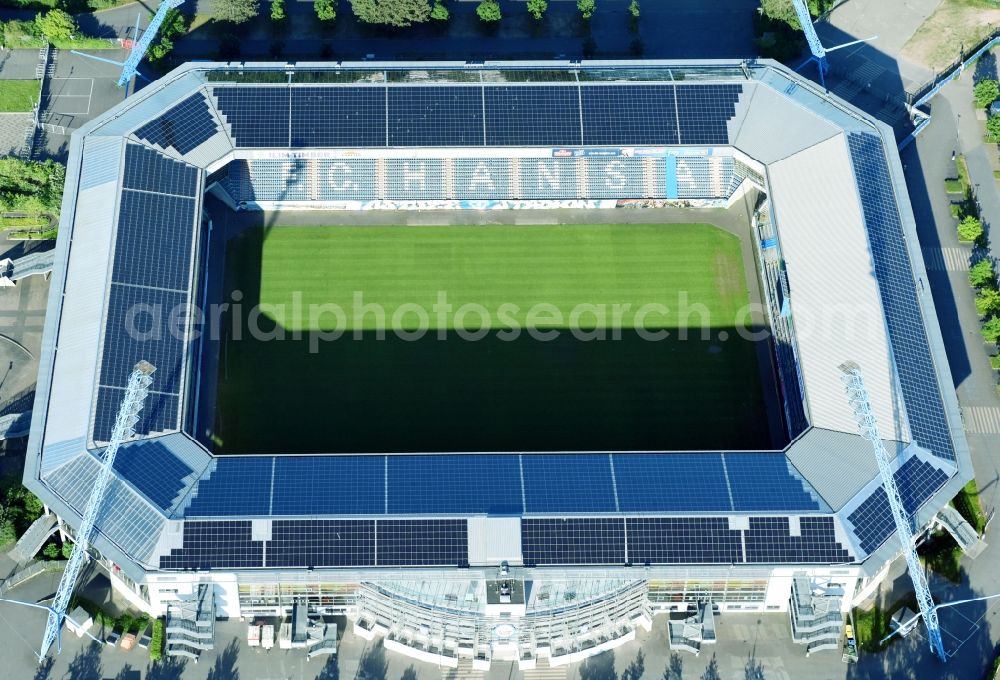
963	532
33	539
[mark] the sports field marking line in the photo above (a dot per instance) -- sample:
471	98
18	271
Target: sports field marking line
982	419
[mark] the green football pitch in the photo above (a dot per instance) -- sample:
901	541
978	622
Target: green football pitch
433	352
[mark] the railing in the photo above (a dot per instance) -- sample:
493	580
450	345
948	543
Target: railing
928	89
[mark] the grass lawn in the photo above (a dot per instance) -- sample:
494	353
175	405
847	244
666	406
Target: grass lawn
17	96
953	25
444	393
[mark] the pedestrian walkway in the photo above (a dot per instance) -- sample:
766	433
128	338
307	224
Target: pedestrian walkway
982	419
946	259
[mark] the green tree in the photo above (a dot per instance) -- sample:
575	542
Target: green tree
985	93
51	551
536	8
326	10
56	25
236	11
993	127
392	12
982	275
439	12
278	10
970	229
991	330
160	50
586	7
489	10
66	550
174	23
633	8
7	532
988	301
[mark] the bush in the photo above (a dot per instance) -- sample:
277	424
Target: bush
586	7
633	8
870	626
156	641
536	8
956	210
50	551
953	185
489	10
995	362
942	555
439	12
970	229
235	11
991	330
326	10
392	12
985	93
56	25
993	127
277	10
967	500
66	550
988	302
31	187
981	274
8	534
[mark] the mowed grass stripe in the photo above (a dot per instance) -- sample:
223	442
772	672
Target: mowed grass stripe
564	266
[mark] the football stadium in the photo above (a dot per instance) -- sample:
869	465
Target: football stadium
499	361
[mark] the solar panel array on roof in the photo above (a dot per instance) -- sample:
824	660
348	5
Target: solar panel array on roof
502	484
620	115
149	170
422	542
766	482
148	295
568	483
158	414
321	543
454	484
574	540
916	480
135	332
683	540
547	115
671	482
769	541
703	112
303	485
235	486
897	288
125	519
257	116
216	545
183	127
343	116
154	241
569	114
435	116
153	470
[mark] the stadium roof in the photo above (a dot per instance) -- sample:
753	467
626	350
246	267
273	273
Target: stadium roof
129	235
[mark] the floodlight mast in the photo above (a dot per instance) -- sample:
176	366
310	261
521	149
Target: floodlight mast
131	65
860	403
128	415
815	46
